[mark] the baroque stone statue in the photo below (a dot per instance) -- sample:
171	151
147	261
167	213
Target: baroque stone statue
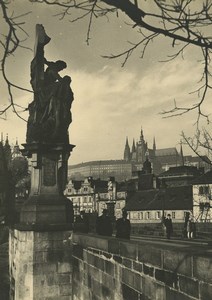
49	112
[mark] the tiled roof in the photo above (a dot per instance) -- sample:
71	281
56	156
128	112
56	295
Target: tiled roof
101	186
166	152
180	171
77	184
197	159
174	198
204	179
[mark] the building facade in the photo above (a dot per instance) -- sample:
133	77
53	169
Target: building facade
104	169
92	196
202	198
148	207
133	161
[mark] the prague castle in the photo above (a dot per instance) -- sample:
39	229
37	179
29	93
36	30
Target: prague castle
133	160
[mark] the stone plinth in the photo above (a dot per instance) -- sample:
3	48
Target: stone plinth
40	265
46	203
40	245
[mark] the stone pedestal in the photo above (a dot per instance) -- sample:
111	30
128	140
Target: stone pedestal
40	265
40	245
46	203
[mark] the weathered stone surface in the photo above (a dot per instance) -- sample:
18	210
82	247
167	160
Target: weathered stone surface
205	291
78	251
138	282
129	293
169	278
128	250
37	268
137	266
114	246
109	281
150	255
178	262
117	258
109	268
64	267
98	274
176	295
148	287
189	286
128	277
127	263
203	268
148	270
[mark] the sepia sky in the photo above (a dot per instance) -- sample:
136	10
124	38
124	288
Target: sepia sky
111	102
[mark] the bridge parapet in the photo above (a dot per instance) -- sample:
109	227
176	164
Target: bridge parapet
108	268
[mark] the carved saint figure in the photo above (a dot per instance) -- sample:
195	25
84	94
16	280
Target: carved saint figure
49	112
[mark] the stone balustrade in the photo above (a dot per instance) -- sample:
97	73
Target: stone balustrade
108	268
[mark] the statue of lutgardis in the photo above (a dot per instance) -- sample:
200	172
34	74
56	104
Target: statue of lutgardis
49	112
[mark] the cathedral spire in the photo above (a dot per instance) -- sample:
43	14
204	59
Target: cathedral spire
154	145
7	140
7	151
142	135
133	146
127	151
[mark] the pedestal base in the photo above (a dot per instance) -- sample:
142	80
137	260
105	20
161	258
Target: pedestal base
40	265
46	209
46	203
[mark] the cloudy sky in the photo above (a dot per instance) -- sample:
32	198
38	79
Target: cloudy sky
111	102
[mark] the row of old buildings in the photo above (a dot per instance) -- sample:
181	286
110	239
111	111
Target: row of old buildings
147	197
133	160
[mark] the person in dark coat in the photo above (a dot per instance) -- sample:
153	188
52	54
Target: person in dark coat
123	226
169	227
81	223
104	224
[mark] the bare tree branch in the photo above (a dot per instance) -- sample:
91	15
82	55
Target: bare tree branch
179	20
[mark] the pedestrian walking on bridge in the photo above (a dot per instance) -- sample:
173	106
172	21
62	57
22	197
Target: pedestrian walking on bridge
169	227
123	226
104	224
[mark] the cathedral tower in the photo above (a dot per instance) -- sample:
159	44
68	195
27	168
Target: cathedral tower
127	155
133	152
141	149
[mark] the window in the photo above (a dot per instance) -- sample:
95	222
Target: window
141	215
203	190
200	190
147	215
173	215
206	189
158	214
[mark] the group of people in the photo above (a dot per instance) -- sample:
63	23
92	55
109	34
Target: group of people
189	229
104	224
